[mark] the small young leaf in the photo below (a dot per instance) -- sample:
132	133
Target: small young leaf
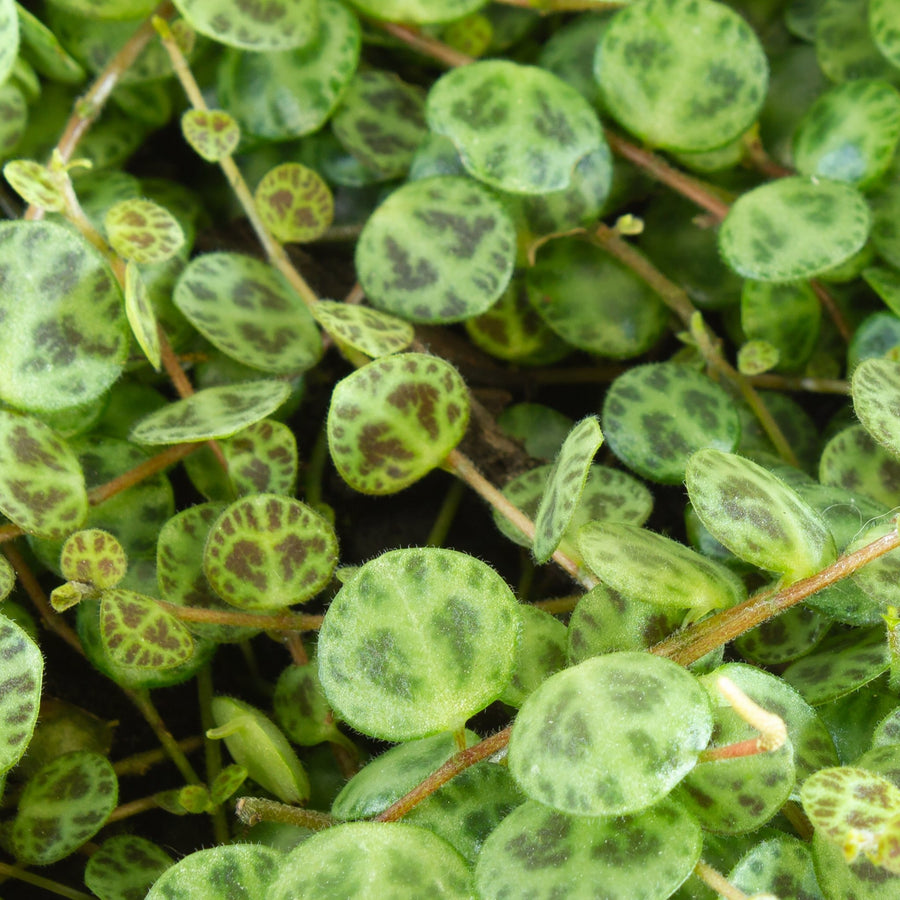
416	642
368	330
437	250
565	484
875	387
139	633
213	133
646	566
786	316
226	783
301	708
143	231
257	744
94	557
212	413
125	866
272	26
7	578
20	691
656	415
231	870
573	743
262	458
682	75
294	202
266	552
517	128
535	852
63	805
757	516
394	420
42	485
141	315
371	861
35	184
793	228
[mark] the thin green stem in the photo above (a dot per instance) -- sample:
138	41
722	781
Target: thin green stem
278	622
427	46
718	882
212	750
46	884
315	469
140	763
446	514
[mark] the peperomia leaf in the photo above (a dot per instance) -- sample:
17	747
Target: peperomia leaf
143	231
878	580
20	691
437	250
682	75
638	563
844	43
301	708
125	867
63	805
370	861
394	420
380	121
656	415
416	642
541	652
139	633
517	128
267	552
248	310
35	184
757	516
850	133
283	95
262	458
213	133
9	38
535	852
573	744
368	330
212	413
7	578
42	485
66	314
839	879
94	557
876	398
253	26
782	863
565	484
394	773
794	228
419	12
141	315
258	745
883	30
788	637
294	203
44	51
853	461
232	870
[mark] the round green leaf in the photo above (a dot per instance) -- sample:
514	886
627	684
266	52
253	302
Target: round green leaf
258	745
213	133
235	871
95	557
540	429
541	652
7	578
35	184
284	95
883	28
518	128
13	118
861	879
788	637
610	736
141	315
418	12
565	485
137	632
656	415
786	316
845	49
9	38
381	121
757	516
594	302
394	420
368	330
680	74
44	51
878	579
124	867
781	864
850	133
212	413
63	805
793	228
262	458
301	708
543	854
20	691
66	312
416	642
853	461
143	231
266	25
875	387
294	203
267	552
42	487
638	563
437	250
371	861
248	310
394	773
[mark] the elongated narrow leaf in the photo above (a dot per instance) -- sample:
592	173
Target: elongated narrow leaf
371	331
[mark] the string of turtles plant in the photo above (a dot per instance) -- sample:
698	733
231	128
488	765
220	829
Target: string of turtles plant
617	745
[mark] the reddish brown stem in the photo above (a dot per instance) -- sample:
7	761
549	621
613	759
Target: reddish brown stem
750	747
428	46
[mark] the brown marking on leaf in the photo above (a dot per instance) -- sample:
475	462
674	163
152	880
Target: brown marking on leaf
281	202
31	452
243	560
376	449
422	397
